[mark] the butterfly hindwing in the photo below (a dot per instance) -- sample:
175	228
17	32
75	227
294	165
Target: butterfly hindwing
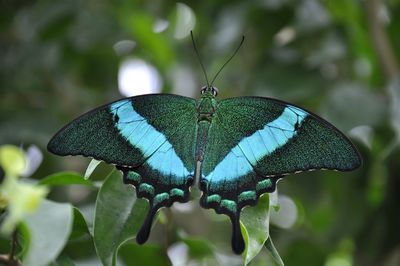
150	138
253	141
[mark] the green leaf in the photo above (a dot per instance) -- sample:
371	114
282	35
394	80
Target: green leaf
65	178
91	167
80	226
273	200
118	217
141	26
351	15
133	254
63	261
46	232
273	252
255	227
198	248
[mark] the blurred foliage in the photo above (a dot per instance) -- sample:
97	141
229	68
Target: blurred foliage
337	58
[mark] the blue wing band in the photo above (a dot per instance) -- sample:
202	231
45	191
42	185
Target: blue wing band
158	151
250	150
161	177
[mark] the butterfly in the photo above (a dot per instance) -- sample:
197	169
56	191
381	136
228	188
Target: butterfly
235	149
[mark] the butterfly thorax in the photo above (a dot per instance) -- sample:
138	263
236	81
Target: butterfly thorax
207	104
206	107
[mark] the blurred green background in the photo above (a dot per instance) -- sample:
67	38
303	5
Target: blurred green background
336	58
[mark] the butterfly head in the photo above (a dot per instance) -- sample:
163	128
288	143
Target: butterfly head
209	91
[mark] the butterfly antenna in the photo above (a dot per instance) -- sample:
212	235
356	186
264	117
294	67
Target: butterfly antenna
198	57
230	58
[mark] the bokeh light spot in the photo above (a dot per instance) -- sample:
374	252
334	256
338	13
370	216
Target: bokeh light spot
185	20
124	47
138	77
160	25
287	214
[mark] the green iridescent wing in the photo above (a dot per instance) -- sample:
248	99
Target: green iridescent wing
150	138
252	142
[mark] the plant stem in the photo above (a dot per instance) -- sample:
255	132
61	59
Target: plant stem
14	242
13	246
4	260
380	39
10	259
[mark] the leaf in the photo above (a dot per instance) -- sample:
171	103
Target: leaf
63	261
287	215
273	252
350	15
91	167
255	227
22	198
65	178
46	232
141	26
198	248
80	226
273	200
133	254
118	217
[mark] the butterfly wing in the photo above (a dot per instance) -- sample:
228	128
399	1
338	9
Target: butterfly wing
253	141
150	138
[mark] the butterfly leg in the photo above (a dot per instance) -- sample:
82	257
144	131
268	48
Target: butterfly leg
158	190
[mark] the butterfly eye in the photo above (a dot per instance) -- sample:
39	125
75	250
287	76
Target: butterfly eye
203	89
214	91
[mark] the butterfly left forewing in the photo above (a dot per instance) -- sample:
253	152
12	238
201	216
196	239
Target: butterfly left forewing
254	141
150	138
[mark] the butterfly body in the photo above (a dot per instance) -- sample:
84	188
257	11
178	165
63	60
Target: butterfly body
240	146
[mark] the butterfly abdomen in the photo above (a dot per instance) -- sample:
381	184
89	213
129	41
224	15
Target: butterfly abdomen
201	141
